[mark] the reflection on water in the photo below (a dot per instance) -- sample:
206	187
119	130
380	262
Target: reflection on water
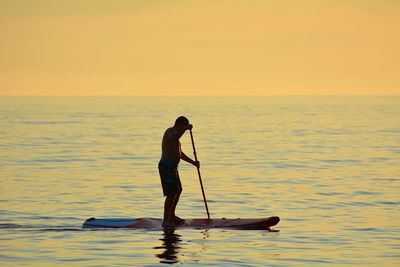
171	246
328	166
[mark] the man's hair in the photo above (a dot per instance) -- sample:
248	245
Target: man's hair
182	120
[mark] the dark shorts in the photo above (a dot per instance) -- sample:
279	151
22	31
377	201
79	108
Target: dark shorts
171	184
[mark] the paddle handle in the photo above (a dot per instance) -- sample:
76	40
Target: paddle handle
198	172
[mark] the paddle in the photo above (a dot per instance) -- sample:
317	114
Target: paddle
198	171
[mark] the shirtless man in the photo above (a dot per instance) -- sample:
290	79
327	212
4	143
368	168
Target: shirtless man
168	168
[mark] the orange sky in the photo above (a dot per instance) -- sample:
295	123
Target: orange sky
251	47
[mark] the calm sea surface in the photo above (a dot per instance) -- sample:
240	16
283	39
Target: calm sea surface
328	166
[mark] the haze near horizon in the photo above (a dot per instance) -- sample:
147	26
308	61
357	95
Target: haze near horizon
199	48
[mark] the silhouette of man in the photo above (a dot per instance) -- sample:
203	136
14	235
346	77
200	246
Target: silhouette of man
168	168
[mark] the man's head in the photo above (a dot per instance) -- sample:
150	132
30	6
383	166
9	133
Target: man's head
181	122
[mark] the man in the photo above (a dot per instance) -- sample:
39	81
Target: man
168	168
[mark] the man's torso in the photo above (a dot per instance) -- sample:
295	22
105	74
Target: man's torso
171	147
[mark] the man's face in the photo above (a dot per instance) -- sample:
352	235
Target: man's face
180	126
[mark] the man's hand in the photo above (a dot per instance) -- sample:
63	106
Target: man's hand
189	127
196	163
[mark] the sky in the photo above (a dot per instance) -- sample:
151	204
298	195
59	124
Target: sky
247	47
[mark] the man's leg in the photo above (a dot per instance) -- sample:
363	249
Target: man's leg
175	203
169	210
174	189
176	200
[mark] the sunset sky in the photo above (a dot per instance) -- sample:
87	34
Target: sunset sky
248	47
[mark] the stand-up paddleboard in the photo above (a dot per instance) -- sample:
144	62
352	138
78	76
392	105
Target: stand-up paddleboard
245	224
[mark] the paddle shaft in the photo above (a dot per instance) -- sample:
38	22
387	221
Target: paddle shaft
198	172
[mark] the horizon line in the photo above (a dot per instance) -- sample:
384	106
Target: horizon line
234	95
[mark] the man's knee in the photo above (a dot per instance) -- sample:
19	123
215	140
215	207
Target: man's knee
173	196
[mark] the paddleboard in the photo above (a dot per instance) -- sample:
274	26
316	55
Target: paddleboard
244	224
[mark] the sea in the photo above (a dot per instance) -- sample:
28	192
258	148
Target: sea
328	166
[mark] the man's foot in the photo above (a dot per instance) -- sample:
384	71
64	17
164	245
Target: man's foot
168	224
179	220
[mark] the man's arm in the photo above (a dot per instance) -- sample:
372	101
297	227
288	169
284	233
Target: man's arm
187	159
179	134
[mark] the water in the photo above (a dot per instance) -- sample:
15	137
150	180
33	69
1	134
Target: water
328	166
